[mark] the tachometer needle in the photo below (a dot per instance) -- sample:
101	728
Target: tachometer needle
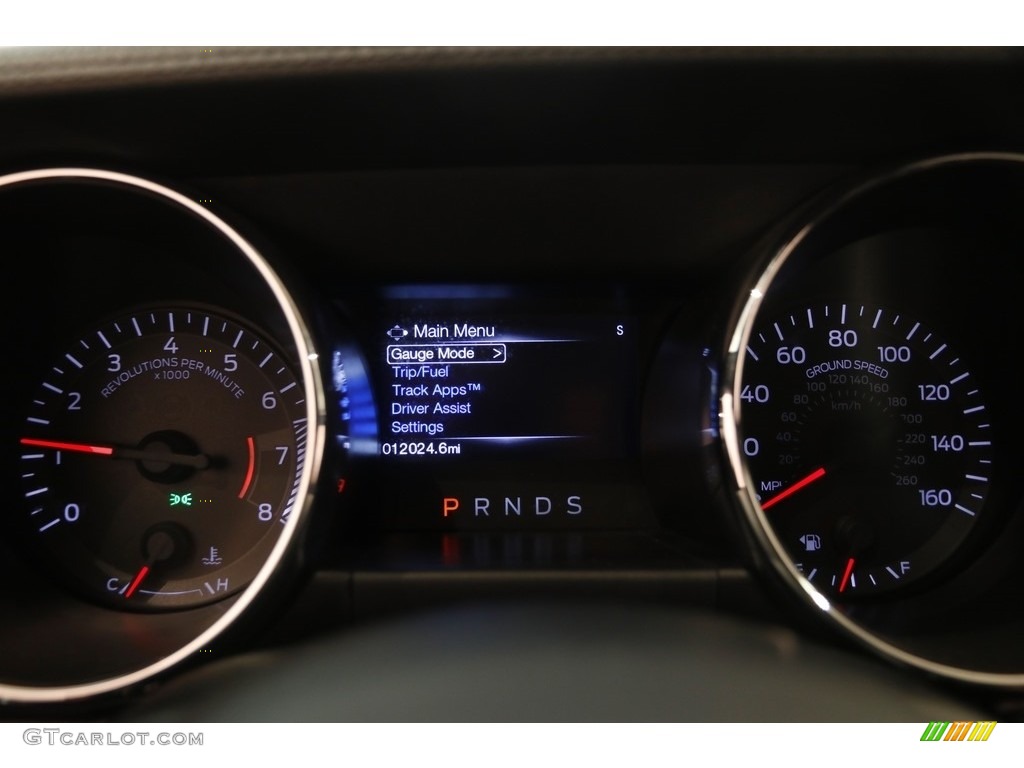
101	450
199	461
847	575
798	485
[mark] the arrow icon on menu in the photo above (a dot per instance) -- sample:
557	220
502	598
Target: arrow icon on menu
499	352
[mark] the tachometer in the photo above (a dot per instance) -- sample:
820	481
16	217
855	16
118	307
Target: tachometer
165	455
160	458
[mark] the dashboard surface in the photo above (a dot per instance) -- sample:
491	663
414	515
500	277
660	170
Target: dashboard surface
501	290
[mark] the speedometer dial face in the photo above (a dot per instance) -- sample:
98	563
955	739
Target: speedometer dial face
160	458
868	441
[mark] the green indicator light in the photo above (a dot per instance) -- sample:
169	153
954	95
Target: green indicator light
180	499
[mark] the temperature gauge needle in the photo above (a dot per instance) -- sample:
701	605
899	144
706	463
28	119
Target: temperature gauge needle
162	543
199	461
136	581
798	485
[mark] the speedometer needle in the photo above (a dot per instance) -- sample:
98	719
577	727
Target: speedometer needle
199	461
798	485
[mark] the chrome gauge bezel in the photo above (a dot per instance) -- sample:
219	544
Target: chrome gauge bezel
283	555
769	550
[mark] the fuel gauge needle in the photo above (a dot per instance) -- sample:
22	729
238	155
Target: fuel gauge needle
847	576
798	485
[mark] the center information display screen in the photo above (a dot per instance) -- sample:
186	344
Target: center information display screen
483	386
499	408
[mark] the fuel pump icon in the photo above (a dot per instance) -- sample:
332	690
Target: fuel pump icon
811	542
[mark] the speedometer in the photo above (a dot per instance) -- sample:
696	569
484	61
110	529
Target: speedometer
869	443
867	419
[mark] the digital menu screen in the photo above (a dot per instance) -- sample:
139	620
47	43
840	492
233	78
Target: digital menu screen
493	384
498	408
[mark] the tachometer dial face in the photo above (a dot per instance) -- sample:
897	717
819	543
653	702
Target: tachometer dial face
160	457
868	441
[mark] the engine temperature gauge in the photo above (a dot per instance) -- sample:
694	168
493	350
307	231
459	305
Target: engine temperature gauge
160	458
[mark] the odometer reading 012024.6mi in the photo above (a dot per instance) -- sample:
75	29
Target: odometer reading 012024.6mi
160	457
868	442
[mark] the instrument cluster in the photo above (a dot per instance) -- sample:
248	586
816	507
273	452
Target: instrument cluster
199	423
